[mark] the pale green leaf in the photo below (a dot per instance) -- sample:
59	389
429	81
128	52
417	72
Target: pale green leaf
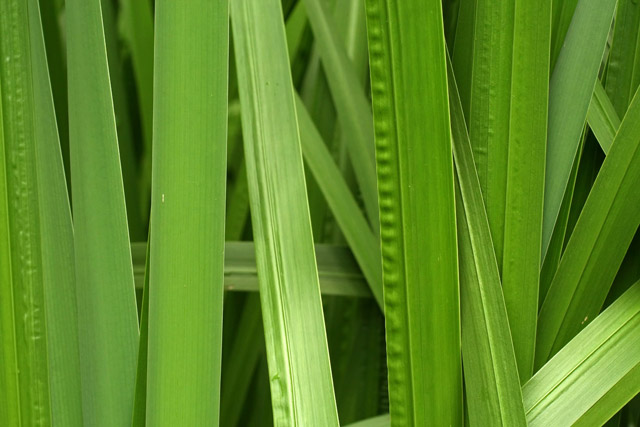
107	318
300	375
187	213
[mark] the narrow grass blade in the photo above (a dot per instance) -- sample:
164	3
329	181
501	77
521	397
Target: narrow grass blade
491	373
300	374
571	87
108	322
415	173
489	113
25	370
351	104
56	231
623	71
187	213
525	175
602	117
353	224
597	245
595	374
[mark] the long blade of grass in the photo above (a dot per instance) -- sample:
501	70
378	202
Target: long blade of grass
301	386
108	322
571	88
525	175
353	224
351	104
597	245
415	173
594	375
187	213
602	117
56	231
25	371
491	372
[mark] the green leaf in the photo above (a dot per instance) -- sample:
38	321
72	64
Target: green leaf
597	245
525	175
56	232
300	374
594	375
491	373
571	87
415	173
107	315
602	117
187	213
29	227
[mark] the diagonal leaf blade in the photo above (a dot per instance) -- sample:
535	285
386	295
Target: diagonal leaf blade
300	374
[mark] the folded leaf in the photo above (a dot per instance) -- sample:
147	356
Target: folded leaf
415	174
